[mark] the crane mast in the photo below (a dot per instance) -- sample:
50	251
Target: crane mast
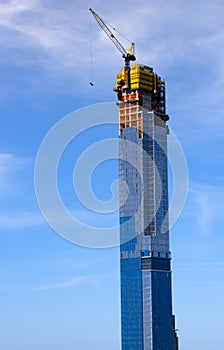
128	55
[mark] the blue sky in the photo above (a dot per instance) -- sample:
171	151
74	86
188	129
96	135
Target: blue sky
54	294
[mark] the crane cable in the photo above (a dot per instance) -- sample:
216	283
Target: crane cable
91	52
91	45
114	29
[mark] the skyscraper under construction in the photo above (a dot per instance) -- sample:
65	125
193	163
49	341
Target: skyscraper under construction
146	302
147	322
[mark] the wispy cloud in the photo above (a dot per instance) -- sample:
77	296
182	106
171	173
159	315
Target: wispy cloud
62	285
31	26
21	219
208	205
165	34
210	283
183	40
200	264
5	167
9	165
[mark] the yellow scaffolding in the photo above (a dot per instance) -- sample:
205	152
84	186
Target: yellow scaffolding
141	77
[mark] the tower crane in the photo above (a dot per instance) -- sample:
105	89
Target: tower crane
128	55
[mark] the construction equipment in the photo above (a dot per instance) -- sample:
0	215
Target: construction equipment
128	55
136	85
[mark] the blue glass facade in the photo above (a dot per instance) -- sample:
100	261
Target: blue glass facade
146	303
132	306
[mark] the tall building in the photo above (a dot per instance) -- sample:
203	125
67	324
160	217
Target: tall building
146	301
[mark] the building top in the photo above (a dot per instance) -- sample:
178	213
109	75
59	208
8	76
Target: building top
140	81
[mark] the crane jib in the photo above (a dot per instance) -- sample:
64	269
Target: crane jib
127	55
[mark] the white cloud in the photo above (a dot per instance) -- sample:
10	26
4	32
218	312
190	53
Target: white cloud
33	26
12	216
208	206
16	220
163	32
9	164
5	160
201	264
62	285
182	40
